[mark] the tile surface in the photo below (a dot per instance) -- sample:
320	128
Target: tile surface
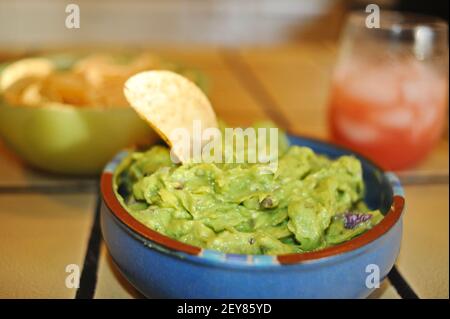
39	236
110	282
424	254
297	80
386	291
14	172
230	99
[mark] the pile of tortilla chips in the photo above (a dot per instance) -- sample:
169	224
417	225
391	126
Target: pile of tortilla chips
96	80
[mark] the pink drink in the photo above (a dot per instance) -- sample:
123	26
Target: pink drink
393	112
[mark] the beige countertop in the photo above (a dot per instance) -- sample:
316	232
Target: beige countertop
49	222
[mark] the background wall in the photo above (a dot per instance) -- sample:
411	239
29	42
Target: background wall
218	22
37	24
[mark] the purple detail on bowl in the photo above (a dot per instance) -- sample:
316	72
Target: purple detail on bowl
351	220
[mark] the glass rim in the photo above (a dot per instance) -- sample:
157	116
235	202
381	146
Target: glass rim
397	21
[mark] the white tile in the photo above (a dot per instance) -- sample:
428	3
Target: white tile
386	291
424	254
111	284
39	236
14	172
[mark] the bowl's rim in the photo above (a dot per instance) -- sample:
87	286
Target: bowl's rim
177	248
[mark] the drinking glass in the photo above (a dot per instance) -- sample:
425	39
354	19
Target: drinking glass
389	93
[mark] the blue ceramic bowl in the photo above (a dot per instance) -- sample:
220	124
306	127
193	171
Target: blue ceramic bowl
159	266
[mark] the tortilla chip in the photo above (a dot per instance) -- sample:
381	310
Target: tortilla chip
31	95
25	71
169	101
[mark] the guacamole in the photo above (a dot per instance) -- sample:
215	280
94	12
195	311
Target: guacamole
309	203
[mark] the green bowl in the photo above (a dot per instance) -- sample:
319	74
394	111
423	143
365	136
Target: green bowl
70	140
74	140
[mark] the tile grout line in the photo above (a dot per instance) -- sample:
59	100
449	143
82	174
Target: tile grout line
248	79
88	279
421	179
401	285
48	189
